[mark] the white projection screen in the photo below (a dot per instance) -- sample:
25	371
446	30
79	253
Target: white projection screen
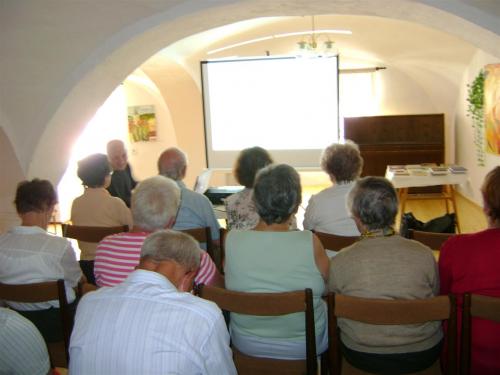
287	105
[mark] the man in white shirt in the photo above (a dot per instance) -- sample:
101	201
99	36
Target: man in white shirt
22	349
150	323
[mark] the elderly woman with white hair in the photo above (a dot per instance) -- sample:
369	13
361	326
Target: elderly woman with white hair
272	258
387	266
326	211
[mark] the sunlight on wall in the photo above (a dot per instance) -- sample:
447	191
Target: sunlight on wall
358	96
107	124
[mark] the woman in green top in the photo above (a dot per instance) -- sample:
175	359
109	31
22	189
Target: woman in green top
270	258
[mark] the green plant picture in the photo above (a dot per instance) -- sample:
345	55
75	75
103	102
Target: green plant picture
142	123
475	110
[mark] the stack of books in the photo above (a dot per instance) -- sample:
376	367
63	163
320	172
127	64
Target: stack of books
398	170
456	169
417	170
439	171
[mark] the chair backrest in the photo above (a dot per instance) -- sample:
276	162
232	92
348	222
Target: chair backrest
478	306
41	292
390	312
335	242
222	237
431	239
203	235
268	304
90	234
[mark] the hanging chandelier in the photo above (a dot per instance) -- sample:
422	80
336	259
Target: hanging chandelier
316	42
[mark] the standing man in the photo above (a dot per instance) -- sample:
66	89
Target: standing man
150	323
196	210
122	181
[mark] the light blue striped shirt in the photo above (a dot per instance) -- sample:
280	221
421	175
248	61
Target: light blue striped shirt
146	326
22	349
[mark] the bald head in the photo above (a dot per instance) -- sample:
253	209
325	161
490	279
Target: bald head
117	155
172	163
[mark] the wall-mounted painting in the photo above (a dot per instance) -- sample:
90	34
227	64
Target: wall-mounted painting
492	108
142	123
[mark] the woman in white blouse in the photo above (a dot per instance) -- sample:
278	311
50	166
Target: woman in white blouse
326	211
28	254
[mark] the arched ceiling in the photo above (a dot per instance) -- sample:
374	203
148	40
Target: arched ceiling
69	55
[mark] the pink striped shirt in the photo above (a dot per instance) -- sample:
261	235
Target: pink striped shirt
118	255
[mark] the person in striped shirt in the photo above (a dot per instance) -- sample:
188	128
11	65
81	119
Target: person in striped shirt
155	202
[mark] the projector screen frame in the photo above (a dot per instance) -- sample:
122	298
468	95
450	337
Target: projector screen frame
279	156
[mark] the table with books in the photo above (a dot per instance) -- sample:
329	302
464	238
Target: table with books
404	177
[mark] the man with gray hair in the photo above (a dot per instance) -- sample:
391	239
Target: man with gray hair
150	323
122	181
155	202
196	210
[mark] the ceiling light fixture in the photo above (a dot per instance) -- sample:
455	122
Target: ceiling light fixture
323	32
311	43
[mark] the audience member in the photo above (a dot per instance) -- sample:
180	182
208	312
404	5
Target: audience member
22	349
468	263
122	182
240	209
28	254
155	202
96	207
387	266
326	211
196	210
271	258
150	323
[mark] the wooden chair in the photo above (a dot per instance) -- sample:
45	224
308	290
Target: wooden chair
334	242
390	312
204	235
90	234
42	292
478	306
433	240
268	304
222	237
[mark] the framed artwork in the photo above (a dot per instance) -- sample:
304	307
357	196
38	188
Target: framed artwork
142	123
492	108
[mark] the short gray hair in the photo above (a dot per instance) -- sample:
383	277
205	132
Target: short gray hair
373	200
277	193
155	202
172	163
172	245
342	161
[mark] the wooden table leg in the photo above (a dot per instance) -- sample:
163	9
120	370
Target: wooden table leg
451	191
403	194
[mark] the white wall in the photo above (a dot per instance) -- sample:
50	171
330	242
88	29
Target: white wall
465	148
140	90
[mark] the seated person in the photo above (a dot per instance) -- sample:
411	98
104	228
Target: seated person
240	209
326	211
271	258
195	210
150	323
468	263
23	351
28	254
155	202
384	265
96	207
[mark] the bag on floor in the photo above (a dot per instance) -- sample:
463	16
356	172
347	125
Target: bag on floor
441	224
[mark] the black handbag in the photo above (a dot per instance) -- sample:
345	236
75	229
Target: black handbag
441	224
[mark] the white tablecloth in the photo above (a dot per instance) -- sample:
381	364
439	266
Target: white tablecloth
430	180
